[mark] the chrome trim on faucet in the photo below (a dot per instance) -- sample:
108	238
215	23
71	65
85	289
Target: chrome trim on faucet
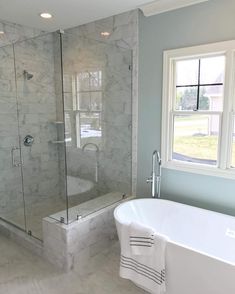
155	179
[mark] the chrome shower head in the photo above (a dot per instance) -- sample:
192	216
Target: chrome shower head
28	76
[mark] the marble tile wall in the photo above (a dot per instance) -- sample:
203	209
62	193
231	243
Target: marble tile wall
15	32
71	246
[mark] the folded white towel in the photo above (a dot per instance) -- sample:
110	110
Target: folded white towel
141	239
145	270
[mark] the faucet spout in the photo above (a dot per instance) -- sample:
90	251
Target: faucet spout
155	178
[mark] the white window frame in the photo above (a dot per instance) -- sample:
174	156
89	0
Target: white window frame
223	168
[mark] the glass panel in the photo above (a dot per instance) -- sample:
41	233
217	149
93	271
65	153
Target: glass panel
99	159
39	91
233	146
211	98
186	98
212	70
84	101
196	138
68	101
89	80
67	84
68	129
90	101
83	81
187	72
89	126
11	192
96	100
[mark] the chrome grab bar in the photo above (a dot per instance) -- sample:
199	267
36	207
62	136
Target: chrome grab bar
155	179
13	160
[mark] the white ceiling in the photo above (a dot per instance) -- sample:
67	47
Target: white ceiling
67	13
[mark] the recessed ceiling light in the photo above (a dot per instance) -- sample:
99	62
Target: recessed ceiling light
105	34
2	32
45	15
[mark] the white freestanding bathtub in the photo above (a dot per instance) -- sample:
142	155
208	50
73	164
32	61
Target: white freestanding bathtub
200	253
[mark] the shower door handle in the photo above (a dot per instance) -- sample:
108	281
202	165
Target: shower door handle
14	162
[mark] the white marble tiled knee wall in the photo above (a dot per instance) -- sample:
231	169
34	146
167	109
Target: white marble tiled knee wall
71	246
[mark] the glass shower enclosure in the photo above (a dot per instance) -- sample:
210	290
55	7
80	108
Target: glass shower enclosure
65	128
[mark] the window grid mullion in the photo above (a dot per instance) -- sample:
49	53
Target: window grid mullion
199	80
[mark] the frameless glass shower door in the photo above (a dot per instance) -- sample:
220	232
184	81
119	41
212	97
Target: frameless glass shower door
11	187
32	145
41	129
97	90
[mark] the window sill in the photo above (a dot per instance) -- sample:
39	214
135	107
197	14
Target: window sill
200	169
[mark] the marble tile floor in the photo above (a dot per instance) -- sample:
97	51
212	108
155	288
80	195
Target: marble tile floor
21	272
34	213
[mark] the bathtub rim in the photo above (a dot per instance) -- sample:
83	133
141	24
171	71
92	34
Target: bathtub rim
123	223
169	201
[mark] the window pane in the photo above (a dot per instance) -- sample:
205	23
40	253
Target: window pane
90	128
84	101
68	130
196	138
83	81
186	98
187	72
212	70
96	80
211	98
90	101
89	80
96	100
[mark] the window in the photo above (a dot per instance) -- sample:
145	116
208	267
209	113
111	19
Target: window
198	126
89	94
83	94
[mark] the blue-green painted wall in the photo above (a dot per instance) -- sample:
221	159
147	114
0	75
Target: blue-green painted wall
207	22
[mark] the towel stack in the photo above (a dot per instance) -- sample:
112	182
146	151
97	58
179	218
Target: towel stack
143	258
